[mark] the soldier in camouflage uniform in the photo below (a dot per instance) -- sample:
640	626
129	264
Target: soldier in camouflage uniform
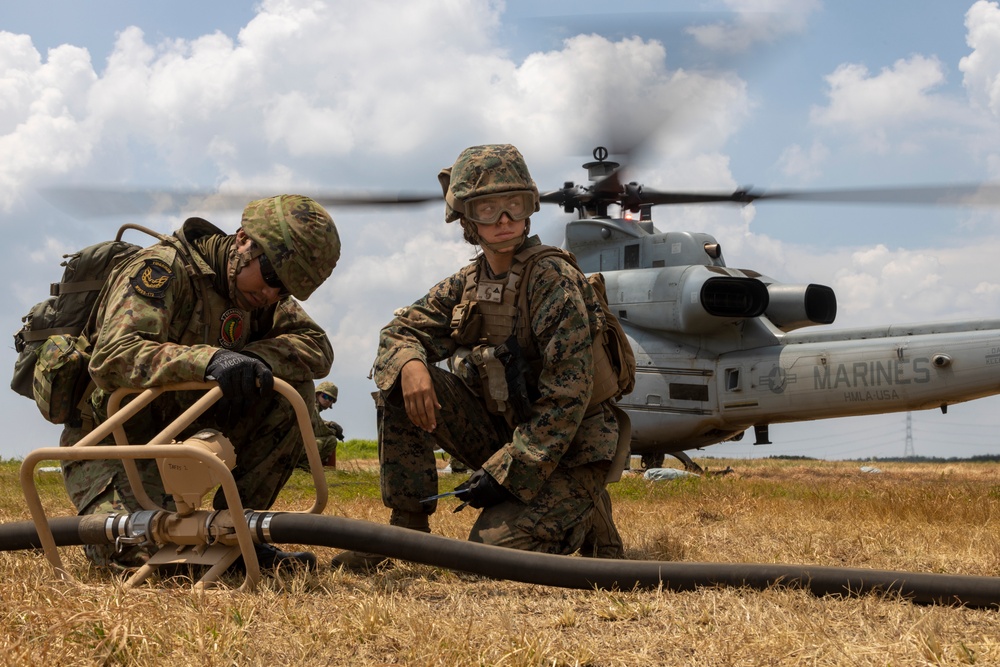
540	477
328	433
205	305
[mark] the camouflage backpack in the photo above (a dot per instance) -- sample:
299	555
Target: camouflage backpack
53	347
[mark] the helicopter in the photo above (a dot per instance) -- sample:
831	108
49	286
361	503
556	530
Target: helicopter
720	351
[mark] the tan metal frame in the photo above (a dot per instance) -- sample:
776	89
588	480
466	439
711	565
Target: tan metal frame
162	446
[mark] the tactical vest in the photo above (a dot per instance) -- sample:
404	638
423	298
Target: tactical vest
495	311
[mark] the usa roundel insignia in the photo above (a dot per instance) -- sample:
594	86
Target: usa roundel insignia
231	329
152	280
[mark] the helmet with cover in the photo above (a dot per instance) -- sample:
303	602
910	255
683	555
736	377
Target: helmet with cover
298	237
484	171
328	388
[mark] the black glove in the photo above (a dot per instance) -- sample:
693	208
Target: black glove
481	490
336	429
244	380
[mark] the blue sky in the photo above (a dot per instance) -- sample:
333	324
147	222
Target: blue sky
307	96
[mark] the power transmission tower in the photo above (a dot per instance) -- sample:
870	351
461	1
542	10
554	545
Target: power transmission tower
908	449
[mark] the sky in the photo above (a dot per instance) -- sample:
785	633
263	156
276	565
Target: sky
310	96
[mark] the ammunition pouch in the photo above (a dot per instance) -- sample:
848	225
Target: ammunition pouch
60	379
492	378
496	375
466	323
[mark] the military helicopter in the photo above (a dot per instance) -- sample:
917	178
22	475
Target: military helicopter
718	349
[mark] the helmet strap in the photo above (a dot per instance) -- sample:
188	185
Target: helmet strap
503	245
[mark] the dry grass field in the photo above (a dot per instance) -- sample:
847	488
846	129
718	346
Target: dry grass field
942	518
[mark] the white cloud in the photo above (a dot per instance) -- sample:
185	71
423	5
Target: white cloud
862	101
758	21
981	68
804	164
380	95
40	132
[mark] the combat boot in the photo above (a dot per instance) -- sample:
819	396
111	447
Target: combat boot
270	558
602	539
367	561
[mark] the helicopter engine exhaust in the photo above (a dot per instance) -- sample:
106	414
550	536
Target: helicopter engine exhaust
685	299
795	306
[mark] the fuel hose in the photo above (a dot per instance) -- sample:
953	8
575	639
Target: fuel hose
558	571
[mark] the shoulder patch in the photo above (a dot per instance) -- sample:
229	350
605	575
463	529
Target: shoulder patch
152	279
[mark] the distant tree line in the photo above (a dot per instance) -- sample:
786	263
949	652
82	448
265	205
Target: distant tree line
981	458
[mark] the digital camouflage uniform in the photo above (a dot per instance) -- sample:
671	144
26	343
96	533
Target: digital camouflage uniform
158	324
546	464
554	464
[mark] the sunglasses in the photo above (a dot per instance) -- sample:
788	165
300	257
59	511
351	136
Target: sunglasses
270	277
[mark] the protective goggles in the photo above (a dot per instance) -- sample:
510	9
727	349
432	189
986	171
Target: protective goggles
487	209
270	276
327	397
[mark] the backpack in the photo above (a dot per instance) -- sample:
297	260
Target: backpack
53	344
615	342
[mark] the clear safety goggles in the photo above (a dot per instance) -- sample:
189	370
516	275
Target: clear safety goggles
487	209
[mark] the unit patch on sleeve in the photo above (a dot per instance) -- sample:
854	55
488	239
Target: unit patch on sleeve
153	279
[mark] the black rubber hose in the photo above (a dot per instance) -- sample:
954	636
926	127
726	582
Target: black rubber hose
22	535
564	571
567	572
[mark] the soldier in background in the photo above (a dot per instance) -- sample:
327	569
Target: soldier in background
328	433
207	305
540	440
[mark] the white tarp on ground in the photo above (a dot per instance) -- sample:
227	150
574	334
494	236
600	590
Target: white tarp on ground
659	474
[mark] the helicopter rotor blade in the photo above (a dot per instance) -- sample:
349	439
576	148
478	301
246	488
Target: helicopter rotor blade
971	194
90	201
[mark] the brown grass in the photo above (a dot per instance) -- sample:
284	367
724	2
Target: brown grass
917	517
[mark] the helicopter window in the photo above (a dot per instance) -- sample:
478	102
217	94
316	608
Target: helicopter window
609	260
632	256
658	263
688	392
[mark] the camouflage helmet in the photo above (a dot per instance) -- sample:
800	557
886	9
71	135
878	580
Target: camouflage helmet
298	236
483	170
328	388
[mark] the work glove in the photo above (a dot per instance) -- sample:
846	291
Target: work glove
336	429
244	380
481	490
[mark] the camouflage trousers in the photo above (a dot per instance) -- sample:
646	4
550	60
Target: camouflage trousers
572	510
267	440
